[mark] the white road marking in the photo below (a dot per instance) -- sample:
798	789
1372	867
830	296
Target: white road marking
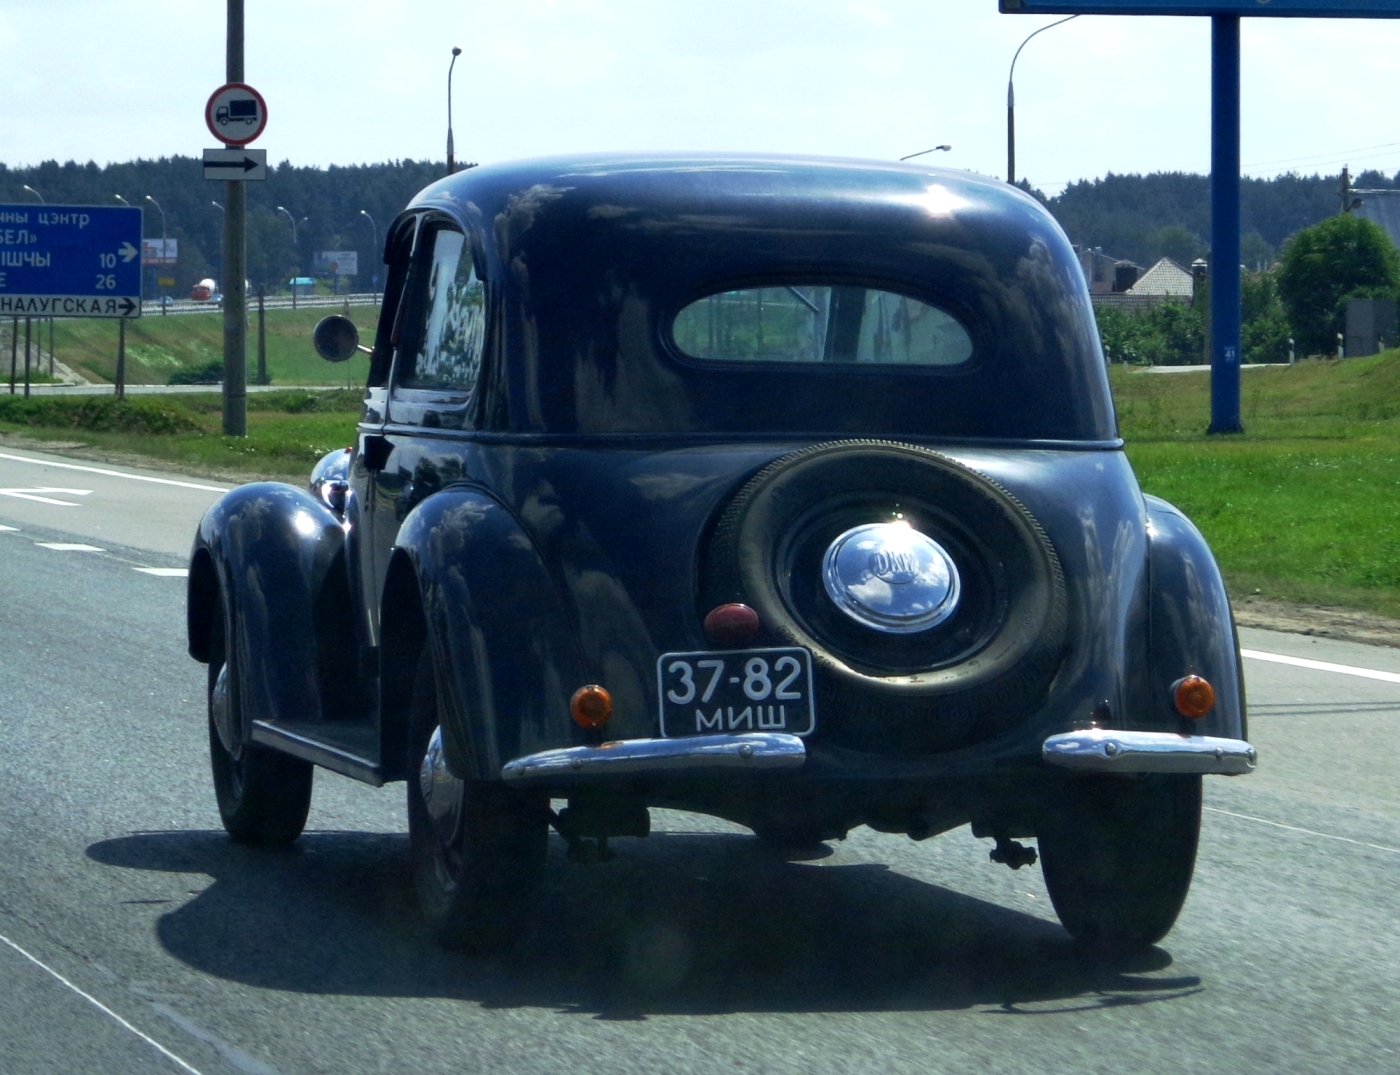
9	529
166	572
1308	832
32	493
102	1007
1322	666
67	546
115	473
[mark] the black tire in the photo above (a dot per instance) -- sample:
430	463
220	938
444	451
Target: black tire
263	795
478	849
978	673
1118	854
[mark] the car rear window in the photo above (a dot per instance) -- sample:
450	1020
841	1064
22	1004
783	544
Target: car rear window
843	324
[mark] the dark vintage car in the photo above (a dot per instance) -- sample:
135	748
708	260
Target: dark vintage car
783	490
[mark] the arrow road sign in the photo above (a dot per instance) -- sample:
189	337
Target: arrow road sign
247	164
70	261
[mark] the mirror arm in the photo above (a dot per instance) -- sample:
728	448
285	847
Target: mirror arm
366	350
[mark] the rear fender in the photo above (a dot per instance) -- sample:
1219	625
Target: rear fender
506	650
270	549
1191	629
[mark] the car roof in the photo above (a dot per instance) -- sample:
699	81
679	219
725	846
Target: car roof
582	247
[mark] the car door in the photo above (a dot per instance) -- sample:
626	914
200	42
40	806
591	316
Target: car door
437	349
372	447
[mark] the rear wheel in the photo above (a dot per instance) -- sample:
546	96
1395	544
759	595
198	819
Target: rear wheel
478	847
1118	854
263	795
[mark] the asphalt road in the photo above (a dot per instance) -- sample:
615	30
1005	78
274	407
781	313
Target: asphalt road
134	937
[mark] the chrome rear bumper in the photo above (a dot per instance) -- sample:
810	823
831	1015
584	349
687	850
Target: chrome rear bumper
756	751
1107	750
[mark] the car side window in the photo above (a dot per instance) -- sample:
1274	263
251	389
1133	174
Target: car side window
448	321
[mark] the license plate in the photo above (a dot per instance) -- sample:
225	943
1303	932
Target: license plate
749	690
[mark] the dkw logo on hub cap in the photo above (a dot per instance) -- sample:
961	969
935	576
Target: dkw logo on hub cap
890	577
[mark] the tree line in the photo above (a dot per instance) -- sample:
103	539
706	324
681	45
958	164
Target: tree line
325	202
1138	217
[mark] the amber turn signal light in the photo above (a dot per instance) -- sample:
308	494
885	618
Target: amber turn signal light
1194	697
729	625
591	706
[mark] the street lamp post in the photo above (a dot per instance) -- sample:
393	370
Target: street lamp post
296	249
35	193
123	201
456	51
162	242
1011	101
374	251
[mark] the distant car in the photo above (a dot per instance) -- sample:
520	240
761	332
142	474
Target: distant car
784	490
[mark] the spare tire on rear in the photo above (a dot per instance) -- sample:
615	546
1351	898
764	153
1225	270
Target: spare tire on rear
982	670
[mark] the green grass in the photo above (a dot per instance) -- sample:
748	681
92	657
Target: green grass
287	431
1305	505
158	348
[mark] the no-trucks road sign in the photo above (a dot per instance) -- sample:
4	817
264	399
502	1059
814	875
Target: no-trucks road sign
70	261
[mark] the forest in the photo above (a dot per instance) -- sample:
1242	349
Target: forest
1137	217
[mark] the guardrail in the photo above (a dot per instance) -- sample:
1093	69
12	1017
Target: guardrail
155	308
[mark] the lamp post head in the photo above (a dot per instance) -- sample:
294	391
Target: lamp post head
456	50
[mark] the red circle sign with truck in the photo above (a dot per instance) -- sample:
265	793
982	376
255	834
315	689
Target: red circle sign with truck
236	114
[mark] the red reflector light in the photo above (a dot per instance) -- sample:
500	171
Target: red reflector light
729	625
591	706
1194	697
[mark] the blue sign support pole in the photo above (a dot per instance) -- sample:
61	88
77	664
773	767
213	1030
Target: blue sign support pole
1225	225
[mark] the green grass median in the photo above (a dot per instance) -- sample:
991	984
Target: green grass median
1303	507
287	430
181	347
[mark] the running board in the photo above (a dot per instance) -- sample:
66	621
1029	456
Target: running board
318	752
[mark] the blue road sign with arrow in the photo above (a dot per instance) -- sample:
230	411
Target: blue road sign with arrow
70	261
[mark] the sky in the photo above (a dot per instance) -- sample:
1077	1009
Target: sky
356	81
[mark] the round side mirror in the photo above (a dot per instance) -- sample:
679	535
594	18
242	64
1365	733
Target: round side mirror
336	338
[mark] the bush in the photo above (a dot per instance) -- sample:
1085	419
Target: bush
1342	257
209	373
105	414
1172	334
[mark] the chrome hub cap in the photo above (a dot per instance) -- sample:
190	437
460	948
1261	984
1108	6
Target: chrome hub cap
891	578
221	710
442	792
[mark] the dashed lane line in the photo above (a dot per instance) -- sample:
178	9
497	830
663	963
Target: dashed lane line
1306	832
101	1007
71	546
115	473
1322	666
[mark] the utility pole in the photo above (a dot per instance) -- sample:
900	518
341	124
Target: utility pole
235	262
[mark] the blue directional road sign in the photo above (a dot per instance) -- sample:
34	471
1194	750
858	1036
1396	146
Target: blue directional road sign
1322	9
70	261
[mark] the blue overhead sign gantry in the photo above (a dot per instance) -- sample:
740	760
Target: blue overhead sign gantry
1224	149
70	261
1300	9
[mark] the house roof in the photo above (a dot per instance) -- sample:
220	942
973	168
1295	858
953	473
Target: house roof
1164	278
